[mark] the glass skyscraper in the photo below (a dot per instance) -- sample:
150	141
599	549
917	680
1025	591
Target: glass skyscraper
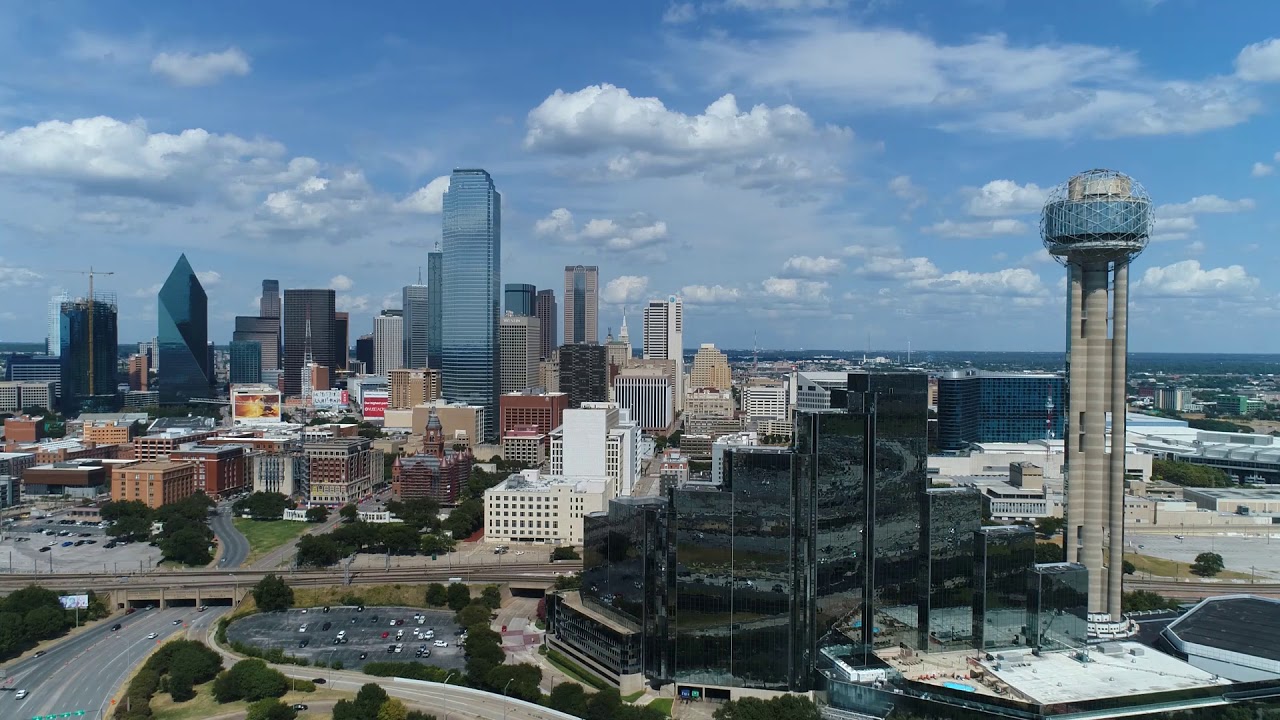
976	406
1003	558
472	233
308	330
415	300
520	299
88	333
246	362
183	334
435	305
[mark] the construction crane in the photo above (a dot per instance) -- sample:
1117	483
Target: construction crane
91	273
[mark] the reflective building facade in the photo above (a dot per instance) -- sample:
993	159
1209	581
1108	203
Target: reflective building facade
435	305
1057	606
1003	557
520	299
308	328
183	334
581	304
950	517
976	407
472	235
415	300
548	322
89	337
246	362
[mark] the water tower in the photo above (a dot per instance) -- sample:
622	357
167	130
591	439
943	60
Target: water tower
1095	224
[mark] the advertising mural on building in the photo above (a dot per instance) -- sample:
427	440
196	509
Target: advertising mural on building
255	406
375	405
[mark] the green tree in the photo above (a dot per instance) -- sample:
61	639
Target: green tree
419	715
272	594
1207	564
318	551
1140	600
1189	475
491	595
188	545
565	553
791	707
437	596
1047	527
1128	568
270	709
393	709
459	596
349	513
422	514
317	514
45	622
569	582
466	519
399	539
249	680
127	519
569	698
604	705
473	614
435	544
1049	553
263	506
524	679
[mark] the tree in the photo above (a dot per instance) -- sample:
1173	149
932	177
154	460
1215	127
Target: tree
1140	600
524	679
393	709
1128	568
318	551
565	553
349	513
188	545
569	582
419	715
1189	475
249	680
422	514
491	595
458	596
541	612
399	539
434	544
1047	527
317	514
604	705
1207	564
271	709
437	596
1049	553
272	594
791	707
568	698
465	519
127	519
262	506
474	614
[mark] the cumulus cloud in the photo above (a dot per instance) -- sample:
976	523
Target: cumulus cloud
1000	198
805	266
636	232
209	277
978	229
427	200
1205	204
679	13
709	295
769	5
640	137
353	303
1261	169
12	276
887	263
902	188
330	207
341	283
1189	279
190	70
794	288
1010	282
625	290
1260	62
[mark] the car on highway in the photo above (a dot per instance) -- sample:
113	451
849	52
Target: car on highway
177	622
318	681
153	635
440	643
115	627
300	706
202	608
20	694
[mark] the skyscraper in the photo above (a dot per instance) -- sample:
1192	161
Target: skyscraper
416	303
388	343
53	341
472	233
664	339
364	352
341	346
435	308
263	330
710	369
88	333
1095	224
518	351
584	374
520	299
183	332
548	319
246	362
269	305
581	304
308	325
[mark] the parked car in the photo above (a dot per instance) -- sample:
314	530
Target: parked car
384	635
441	643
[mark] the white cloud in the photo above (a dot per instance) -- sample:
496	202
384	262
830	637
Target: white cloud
887	263
902	188
429	199
636	232
209	277
805	266
104	156
341	283
1196	247
679	13
640	136
1010	282
1261	170
1000	198
353	303
988	84
709	295
1260	62
768	5
335	208
1189	279
1205	204
978	229
1173	228
12	276
625	289
190	70
795	289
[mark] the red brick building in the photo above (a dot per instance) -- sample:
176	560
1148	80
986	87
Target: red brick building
24	429
220	470
436	473
155	483
545	411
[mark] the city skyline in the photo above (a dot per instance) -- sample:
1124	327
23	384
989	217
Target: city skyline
829	202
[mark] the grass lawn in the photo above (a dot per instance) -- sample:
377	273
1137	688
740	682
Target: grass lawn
575	673
204	706
267	535
372	595
663	704
633	696
1161	567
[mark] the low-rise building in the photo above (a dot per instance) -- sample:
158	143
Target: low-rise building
155	446
525	444
109	433
709	402
342	470
531	507
220	469
153	482
673	468
73	478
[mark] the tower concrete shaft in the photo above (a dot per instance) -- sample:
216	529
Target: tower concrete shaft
1096	379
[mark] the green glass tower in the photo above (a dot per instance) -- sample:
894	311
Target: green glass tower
183	334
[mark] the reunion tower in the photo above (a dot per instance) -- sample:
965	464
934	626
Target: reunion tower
1095	224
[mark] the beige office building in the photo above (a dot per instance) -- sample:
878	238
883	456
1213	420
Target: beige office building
411	387
519	350
710	369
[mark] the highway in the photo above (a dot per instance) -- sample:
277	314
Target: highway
232	543
84	672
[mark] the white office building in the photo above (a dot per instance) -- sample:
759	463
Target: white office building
598	439
726	442
664	339
812	390
646	394
388	343
764	398
531	507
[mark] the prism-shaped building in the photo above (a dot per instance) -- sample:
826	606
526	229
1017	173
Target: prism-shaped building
182	310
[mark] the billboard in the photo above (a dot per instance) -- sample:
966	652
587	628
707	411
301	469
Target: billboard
330	398
74	602
257	405
375	405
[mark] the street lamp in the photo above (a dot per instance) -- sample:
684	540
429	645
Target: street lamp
505	700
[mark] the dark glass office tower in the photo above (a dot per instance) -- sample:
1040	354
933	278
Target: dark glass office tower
246	362
265	332
950	517
472	233
88	334
1057	606
584	374
341	343
269	306
183	335
435	305
548	322
976	406
308	324
520	299
581	304
364	352
415	301
1003	556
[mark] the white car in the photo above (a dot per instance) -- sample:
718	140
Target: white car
392	622
440	643
399	647
20	694
152	636
302	628
342	633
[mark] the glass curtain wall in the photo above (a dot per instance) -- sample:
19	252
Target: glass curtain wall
1002	564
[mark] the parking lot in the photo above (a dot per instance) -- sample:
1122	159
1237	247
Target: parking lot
21	549
367	633
1242	553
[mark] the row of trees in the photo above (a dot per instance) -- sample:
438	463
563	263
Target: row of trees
373	703
420	531
34	613
176	668
184	536
1189	475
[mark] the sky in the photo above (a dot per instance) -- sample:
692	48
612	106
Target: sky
806	174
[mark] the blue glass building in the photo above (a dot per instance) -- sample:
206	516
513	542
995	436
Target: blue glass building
520	299
246	362
976	407
183	335
89	352
472	293
416	304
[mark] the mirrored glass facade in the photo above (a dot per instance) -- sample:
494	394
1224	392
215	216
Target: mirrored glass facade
82	388
976	406
951	516
1057	606
472	235
416	305
246	361
519	299
1003	557
183	334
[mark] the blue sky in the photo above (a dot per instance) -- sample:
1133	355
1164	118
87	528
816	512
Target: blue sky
811	172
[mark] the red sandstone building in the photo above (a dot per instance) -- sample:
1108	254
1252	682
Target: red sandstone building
436	473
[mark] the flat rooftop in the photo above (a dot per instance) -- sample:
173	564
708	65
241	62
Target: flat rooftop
1269	493
1060	678
1244	624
